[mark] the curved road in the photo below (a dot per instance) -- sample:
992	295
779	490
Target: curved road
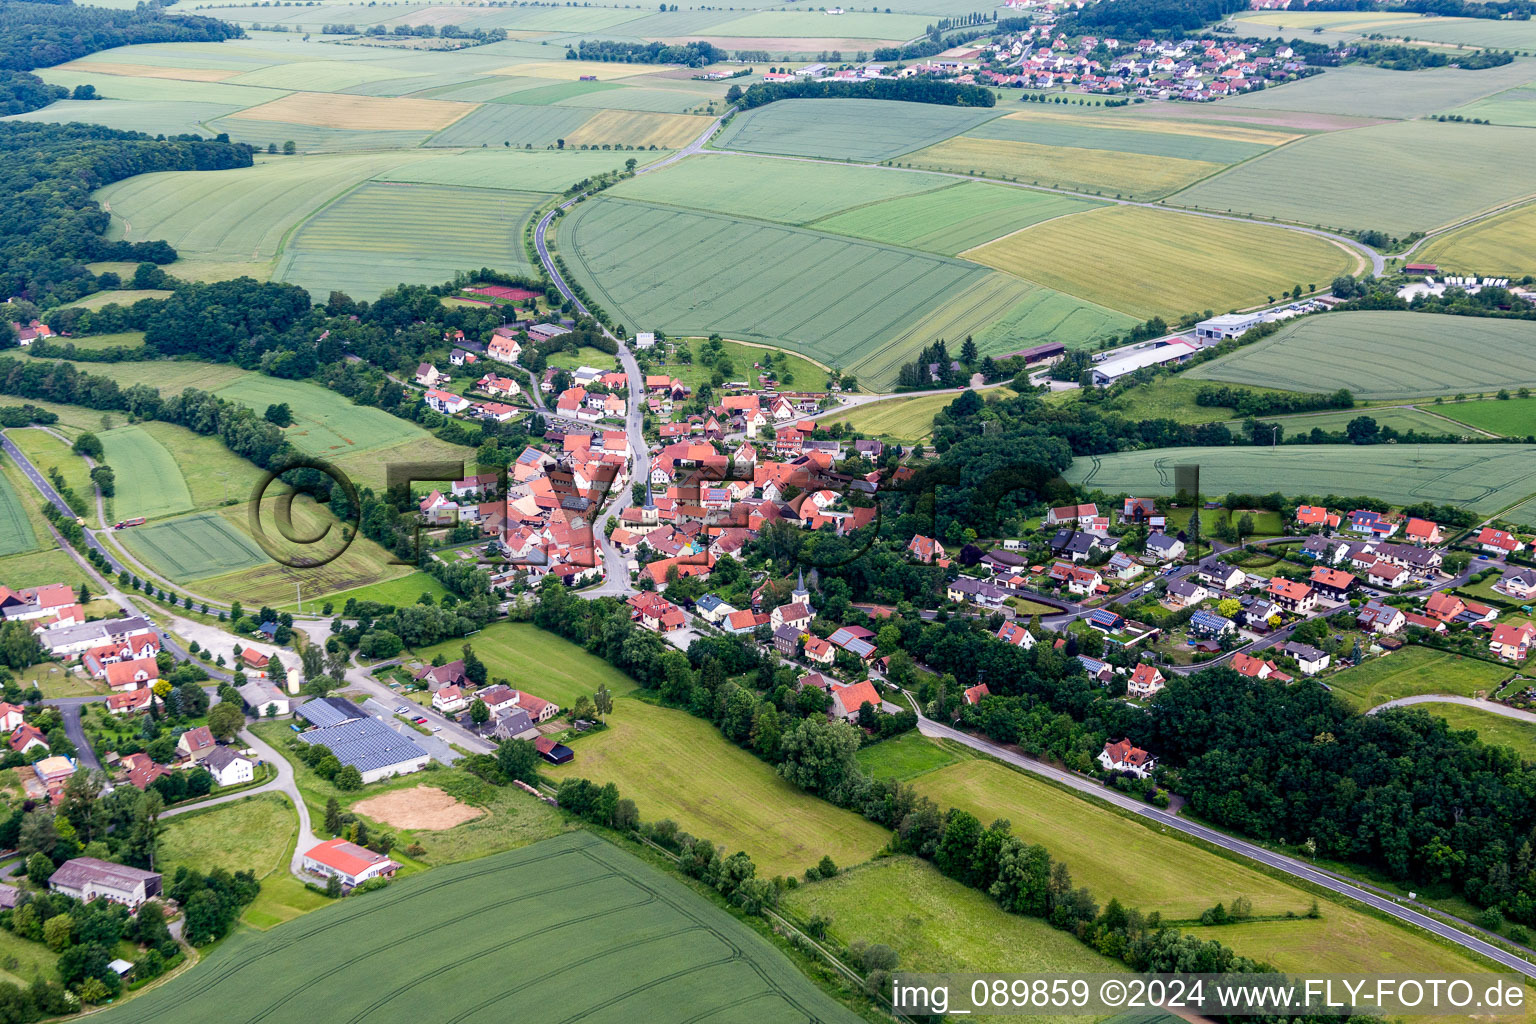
1402	910
1492	707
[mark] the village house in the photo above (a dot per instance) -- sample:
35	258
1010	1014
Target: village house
195	744
430	376
1312	515
1016	634
1309	659
1185	593
1386	575
27	737
1375	617
973	694
229	768
1219	575
846	700
1332	584
1422	531
90	878
1498	542
1070	514
449	700
1511	641
1517	583
1257	668
1293	596
656	613
1164	548
1144	682
1123	756
1371	524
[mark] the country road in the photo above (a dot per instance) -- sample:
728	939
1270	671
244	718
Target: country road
1491	707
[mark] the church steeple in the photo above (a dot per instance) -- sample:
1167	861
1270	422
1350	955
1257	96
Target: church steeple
648	514
800	594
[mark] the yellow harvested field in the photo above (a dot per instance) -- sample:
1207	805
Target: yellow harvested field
1102	171
1155	263
572	70
101	67
634	128
1498	245
363	113
1234	133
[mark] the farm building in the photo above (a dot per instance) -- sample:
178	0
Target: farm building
554	753
1111	370
349	862
376	751
89	878
1229	325
264	699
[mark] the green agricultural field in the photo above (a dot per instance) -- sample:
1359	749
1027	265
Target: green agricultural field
124	86
936	924
538	171
97	342
790	192
902	419
1097	171
218	476
168	376
1413	671
401	592
149	481
1385	355
639	98
1400	419
865	130
537	661
236	215
676	766
1361	90
904	757
45	451
838	300
313	139
148	116
120	296
1513	107
1114	136
1168	875
190	547
380	235
633	944
1493	729
817	25
951	219
1423	174
1499	246
324	423
496	123
16	531
1149	263
1044	314
1512	417
799	372
547	94
1484	478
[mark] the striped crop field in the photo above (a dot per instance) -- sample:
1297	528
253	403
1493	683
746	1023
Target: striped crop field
380	235
868	130
952	218
495	123
1147	263
149	483
616	940
640	129
190	547
838	300
16	534
1097	171
1123	135
1482	478
324	423
1388	355
1500	245
362	113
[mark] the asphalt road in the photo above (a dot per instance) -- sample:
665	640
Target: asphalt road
1402	910
1489	706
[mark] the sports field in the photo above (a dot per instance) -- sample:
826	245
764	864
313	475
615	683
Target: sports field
149	483
836	299
1094	171
538	661
937	924
380	235
16	535
616	940
787	191
861	130
1511	417
324	423
191	547
949	218
902	419
1423	174
1485	478
1167	875
676	766
1499	246
1385	355
1413	671
1148	263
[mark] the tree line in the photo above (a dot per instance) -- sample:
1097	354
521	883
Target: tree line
918	89
40	35
693	55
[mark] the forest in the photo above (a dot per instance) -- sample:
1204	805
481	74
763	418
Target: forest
693	55
911	90
40	35
21	92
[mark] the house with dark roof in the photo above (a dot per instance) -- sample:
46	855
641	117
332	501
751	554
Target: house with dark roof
1309	659
90	878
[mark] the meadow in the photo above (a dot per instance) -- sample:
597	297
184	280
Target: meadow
252	834
218	476
950	218
1484	479
1492	729
399	592
1164	264
630	944
1385	355
16	533
798	371
149	482
1093	171
47	452
1400	419
1498	246
380	235
1423	174
836	299
324	423
190	547
860	130
1362	90
901	419
536	661
1511	417
790	192
679	767
1413	671
904	757
1515	106
936	924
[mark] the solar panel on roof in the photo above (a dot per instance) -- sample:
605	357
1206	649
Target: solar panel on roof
365	743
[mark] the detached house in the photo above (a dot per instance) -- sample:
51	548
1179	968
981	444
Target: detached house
1309	659
1144	682
1376	617
1297	598
1014	633
1333	584
925	549
1517	583
1313	515
1422	531
973	694
846	700
1070	514
1220	575
1498	542
1122	756
1511	641
1165	548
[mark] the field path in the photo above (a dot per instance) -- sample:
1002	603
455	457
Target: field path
1489	706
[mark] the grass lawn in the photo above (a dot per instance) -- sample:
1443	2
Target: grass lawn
904	419
1166	875
936	924
535	660
1512	417
21	960
402	591
584	356
904	756
255	834
1416	670
1492	729
1169	397
57	680
676	766
799	373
